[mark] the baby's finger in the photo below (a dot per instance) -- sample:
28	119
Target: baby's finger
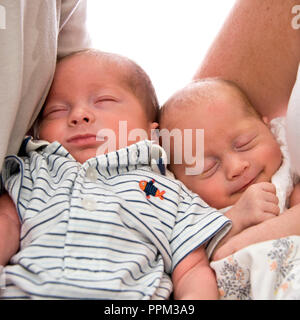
270	197
269	187
271	208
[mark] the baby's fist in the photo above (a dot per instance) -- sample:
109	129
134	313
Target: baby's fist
258	203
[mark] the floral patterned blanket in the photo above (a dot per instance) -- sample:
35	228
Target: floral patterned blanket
268	270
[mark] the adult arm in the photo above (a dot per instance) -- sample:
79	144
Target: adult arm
258	48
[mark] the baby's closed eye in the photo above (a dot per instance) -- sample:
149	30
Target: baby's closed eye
54	111
210	167
105	101
245	143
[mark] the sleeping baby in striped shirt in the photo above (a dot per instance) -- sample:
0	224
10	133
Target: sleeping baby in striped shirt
93	217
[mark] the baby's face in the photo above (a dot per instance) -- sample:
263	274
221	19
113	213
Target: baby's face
87	96
239	150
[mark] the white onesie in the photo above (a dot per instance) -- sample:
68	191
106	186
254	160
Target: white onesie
284	179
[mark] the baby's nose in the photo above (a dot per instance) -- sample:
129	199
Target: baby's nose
236	167
81	116
80	120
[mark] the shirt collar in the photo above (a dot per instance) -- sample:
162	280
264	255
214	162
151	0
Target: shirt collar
123	160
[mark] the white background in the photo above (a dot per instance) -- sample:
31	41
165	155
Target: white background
167	38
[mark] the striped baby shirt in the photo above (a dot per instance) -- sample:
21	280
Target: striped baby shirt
90	231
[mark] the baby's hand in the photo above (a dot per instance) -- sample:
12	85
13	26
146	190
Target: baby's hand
257	204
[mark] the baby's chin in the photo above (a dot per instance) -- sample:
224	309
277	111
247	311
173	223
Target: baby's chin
225	202
84	155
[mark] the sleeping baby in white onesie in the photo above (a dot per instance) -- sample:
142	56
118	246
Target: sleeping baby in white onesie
247	168
269	269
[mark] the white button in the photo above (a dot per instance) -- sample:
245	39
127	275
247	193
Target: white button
89	204
92	174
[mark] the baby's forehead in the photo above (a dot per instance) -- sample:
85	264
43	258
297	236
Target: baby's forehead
98	71
203	100
103	63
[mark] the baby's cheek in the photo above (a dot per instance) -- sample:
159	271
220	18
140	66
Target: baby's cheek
51	132
273	158
45	132
212	194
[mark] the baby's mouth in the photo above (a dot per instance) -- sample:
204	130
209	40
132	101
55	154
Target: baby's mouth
82	139
247	184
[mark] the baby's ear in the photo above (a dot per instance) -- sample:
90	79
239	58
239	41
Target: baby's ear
153	132
154	125
266	121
